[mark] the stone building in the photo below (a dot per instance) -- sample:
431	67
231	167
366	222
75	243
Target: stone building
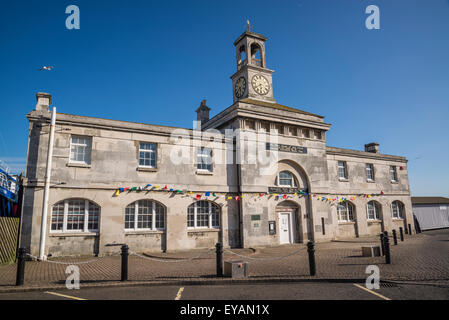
256	174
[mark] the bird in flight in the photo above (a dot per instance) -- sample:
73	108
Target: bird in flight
48	68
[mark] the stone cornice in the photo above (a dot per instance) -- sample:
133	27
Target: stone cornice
362	154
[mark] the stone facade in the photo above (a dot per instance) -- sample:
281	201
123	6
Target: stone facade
295	215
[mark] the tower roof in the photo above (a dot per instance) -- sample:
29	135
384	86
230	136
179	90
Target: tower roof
250	34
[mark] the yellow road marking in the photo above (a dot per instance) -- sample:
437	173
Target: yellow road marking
65	296
178	296
370	291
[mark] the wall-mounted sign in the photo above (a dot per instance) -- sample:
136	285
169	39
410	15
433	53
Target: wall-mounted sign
272	227
284	190
285	148
255	222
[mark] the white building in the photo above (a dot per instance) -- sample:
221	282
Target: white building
222	191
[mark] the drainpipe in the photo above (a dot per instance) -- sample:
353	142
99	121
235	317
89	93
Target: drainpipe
239	207
47	186
311	234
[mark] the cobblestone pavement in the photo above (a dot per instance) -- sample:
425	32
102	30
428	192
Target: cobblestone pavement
423	257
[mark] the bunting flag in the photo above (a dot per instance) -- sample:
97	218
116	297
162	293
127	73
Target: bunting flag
336	199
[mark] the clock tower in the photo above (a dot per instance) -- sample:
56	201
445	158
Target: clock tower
252	79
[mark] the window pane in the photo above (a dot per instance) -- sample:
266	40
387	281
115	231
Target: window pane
393	173
342	169
191	216
215	216
130	216
93	217
204	159
396	209
350	213
342	212
57	216
205	210
75	215
145	215
147	154
80	148
160	219
148	146
371	211
369	172
202	214
286	179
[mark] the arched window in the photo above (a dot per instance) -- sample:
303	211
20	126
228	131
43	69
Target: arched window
203	214
286	179
397	209
345	212
75	215
373	210
145	214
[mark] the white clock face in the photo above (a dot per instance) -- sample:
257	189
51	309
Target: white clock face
240	87
260	84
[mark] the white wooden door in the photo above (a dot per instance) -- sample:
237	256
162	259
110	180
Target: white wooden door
284	227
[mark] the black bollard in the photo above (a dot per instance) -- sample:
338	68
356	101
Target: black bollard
409	229
395	238
401	233
387	248
219	251
311	251
21	255
125	254
382	247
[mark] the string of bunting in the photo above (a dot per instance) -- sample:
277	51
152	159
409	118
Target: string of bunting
237	197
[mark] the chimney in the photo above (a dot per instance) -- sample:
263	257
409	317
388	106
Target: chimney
202	113
43	101
372	147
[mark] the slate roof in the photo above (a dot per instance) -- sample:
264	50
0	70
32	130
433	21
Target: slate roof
430	200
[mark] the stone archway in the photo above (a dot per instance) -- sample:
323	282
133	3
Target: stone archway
290	226
304	214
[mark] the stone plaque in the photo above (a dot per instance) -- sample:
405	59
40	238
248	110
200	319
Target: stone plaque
286	148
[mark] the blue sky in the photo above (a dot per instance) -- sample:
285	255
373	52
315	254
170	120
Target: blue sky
154	61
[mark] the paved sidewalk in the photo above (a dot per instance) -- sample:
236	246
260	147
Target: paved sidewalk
420	258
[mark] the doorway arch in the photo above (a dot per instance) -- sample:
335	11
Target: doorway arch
289	222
